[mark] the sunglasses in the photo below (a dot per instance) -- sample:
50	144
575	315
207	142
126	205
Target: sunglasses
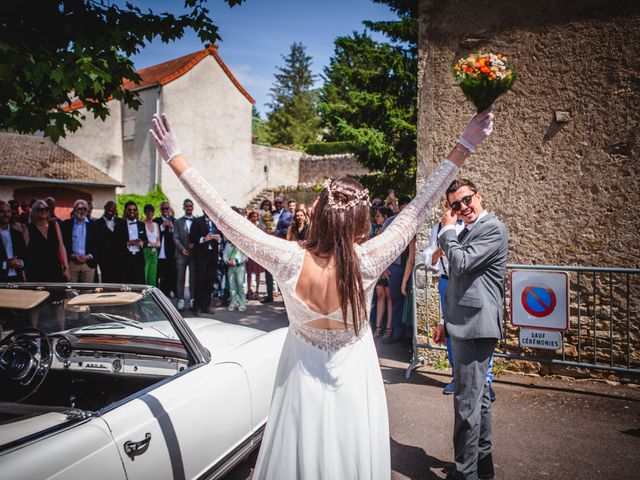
43	209
456	206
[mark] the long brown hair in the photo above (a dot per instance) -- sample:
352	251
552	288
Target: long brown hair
339	220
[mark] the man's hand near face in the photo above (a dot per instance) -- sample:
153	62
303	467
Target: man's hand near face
449	218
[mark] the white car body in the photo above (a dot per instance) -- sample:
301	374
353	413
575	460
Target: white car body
196	423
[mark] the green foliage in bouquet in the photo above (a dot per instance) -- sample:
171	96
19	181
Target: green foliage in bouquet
483	77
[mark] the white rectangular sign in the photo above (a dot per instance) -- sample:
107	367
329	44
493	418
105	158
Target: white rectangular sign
540	299
546	339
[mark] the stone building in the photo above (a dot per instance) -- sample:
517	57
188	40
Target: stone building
210	112
561	168
35	167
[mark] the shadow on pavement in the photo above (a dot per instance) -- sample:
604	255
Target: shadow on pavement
414	463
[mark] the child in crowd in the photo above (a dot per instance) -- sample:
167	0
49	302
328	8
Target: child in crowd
235	261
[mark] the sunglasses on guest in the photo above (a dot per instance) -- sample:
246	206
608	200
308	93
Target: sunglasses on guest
456	206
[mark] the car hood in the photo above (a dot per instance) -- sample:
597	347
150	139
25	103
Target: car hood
214	334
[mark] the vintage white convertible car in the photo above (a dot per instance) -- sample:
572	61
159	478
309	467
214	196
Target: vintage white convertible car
112	383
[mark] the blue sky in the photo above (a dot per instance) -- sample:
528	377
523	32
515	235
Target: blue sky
256	34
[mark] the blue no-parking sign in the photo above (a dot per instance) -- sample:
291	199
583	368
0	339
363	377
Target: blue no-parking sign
540	299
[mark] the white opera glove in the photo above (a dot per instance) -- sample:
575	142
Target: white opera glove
164	138
477	130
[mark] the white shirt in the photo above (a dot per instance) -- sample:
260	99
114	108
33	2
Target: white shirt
442	265
162	255
132	226
110	223
152	235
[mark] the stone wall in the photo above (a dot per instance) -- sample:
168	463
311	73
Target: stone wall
565	190
274	167
314	169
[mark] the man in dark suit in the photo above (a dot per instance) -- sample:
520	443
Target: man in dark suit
108	253
80	238
205	238
184	253
166	255
285	219
131	238
473	320
12	248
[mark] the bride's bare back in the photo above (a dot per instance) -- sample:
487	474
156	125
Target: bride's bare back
317	289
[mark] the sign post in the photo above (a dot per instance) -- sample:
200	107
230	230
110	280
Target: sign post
540	306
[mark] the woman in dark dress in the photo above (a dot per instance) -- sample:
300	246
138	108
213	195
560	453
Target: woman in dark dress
47	257
45	250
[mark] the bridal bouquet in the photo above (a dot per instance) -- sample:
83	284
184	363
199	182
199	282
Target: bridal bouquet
483	77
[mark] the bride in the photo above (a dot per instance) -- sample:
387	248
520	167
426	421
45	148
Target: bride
328	417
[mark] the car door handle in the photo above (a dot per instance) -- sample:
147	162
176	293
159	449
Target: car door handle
133	449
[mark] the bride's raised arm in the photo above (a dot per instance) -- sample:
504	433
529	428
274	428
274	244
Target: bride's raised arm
269	251
382	250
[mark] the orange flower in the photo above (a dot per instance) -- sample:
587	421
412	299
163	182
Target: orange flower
484	69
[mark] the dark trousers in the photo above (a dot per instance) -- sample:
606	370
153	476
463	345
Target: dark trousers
134	268
397	300
110	271
471	403
167	275
206	265
268	279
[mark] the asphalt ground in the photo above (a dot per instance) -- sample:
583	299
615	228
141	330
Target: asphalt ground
543	428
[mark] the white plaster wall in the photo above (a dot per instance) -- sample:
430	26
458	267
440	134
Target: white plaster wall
99	142
212	121
140	152
282	167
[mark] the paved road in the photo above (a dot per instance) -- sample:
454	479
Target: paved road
543	428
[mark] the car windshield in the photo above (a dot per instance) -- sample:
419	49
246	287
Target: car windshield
88	312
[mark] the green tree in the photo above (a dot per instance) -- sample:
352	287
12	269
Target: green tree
293	118
258	127
53	50
370	98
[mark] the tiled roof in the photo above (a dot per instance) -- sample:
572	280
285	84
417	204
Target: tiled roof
164	73
39	159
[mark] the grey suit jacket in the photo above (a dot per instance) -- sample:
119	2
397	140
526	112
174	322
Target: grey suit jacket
181	235
475	292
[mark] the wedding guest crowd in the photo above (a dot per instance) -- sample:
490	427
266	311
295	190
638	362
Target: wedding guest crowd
159	250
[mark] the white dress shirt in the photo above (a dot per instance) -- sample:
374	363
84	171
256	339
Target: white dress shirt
132	226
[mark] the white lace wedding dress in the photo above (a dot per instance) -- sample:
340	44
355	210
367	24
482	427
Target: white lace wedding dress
328	417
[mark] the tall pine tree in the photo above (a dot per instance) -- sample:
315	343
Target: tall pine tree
370	98
293	118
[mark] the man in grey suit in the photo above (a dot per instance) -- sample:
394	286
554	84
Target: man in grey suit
184	253
473	320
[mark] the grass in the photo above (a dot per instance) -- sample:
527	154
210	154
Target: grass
499	367
442	363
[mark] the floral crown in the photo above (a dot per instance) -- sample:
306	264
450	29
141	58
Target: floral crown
362	195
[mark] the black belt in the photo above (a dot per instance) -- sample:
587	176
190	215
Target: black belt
446	277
